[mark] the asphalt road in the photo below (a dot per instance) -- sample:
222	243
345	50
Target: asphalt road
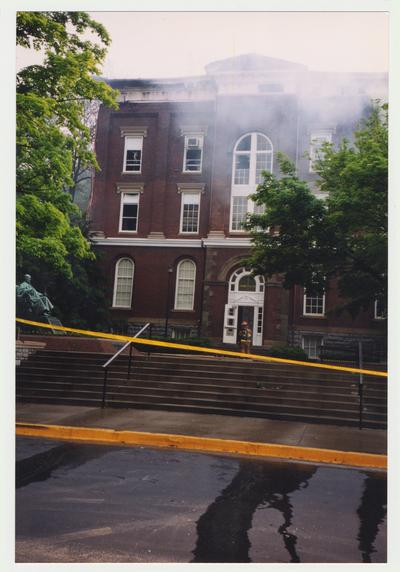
95	503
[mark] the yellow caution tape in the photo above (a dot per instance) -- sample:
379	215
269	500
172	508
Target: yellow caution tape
213	351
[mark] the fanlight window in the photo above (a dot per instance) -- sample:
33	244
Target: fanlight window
247	284
253	154
243	281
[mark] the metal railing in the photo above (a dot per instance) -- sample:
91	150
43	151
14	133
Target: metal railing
111	360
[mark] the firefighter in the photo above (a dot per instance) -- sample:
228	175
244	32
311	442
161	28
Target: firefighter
245	335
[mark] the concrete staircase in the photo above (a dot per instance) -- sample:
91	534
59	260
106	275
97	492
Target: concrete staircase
203	384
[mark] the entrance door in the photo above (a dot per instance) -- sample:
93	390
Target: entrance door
230	324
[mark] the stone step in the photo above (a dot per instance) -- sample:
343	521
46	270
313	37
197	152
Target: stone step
227	386
315	400
153	373
182	362
330	417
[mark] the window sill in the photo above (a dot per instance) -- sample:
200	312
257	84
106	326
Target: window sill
180	310
127	232
319	316
191	172
131	173
120	307
188	233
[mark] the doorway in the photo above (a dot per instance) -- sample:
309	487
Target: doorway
245	302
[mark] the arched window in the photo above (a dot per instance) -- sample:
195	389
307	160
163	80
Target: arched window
252	155
185	285
243	281
123	283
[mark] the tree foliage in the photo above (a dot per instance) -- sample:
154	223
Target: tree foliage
311	241
51	136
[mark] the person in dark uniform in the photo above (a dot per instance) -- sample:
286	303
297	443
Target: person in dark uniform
245	335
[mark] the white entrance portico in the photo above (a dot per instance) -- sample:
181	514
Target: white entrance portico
245	302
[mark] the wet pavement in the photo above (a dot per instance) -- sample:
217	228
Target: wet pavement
96	503
254	429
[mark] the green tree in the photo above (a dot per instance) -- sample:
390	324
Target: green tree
51	136
312	241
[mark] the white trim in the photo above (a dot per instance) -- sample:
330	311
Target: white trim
313	314
115	282
121	208
176	285
228	242
173	242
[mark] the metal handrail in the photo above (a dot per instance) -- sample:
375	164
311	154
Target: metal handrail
112	358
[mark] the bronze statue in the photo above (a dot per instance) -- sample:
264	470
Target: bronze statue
30	302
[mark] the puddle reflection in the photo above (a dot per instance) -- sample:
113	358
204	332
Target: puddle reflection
371	512
223	529
40	467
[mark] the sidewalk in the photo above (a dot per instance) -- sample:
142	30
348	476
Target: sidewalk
252	430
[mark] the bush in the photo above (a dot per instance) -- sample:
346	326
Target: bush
287	352
202	342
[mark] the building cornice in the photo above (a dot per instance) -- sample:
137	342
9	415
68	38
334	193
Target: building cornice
160	243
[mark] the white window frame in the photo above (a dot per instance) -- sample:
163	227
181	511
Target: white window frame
184	194
126	149
177	286
305	296
316	336
324	136
245	190
114	305
188	136
121	211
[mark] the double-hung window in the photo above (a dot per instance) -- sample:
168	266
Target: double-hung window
252	155
185	285
193	154
314	305
123	283
312	345
129	213
190	212
317	139
133	154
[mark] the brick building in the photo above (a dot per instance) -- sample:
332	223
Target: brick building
178	160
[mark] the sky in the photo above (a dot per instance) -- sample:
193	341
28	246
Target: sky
176	44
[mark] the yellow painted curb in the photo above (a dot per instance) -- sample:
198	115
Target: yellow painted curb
213	351
205	444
